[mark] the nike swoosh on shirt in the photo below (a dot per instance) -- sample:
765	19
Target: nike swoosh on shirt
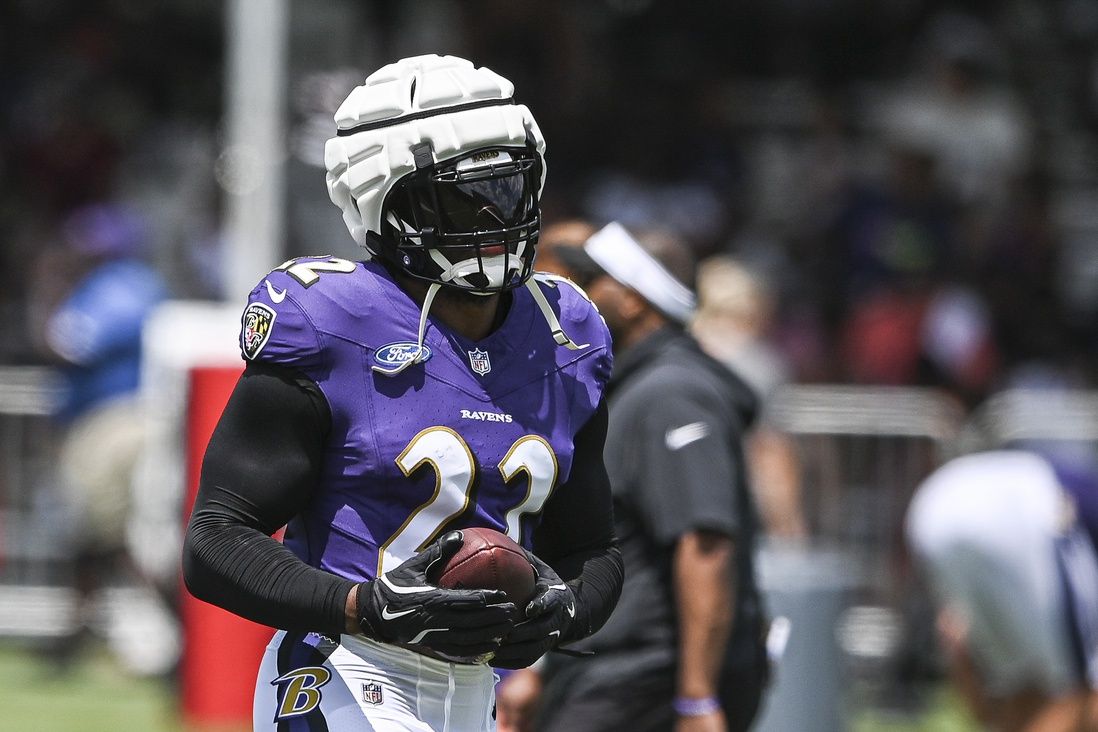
386	615
680	437
276	295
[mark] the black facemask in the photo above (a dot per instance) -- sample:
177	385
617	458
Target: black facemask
488	198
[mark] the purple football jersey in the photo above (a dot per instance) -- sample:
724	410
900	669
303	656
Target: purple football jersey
479	434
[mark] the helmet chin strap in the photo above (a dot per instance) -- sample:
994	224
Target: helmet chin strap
559	336
456	272
471	266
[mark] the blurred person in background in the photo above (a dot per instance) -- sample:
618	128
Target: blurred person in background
94	294
735	310
965	116
732	323
890	245
683	649
567	233
388	404
1011	562
903	310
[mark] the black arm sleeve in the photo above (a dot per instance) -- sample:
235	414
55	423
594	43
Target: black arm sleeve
576	536
260	470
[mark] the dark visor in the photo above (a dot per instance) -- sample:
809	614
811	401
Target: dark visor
485	204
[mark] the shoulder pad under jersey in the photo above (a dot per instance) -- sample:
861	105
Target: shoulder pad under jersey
581	320
279	324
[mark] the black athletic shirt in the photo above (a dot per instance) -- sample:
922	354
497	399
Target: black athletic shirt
676	468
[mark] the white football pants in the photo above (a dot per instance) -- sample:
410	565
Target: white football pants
308	683
985	527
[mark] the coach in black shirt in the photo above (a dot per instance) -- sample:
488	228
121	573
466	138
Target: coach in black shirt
683	650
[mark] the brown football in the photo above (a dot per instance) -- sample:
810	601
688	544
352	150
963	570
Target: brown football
488	560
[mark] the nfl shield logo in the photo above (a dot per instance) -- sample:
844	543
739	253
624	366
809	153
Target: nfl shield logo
371	693
478	361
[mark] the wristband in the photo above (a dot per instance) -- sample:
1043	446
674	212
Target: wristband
685	707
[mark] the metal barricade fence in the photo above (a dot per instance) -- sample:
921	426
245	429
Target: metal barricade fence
28	397
31	601
37	597
862	452
1018	416
130	610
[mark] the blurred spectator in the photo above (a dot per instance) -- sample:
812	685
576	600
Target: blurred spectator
975	128
735	312
1012	257
889	242
903	310
957	343
895	233
569	233
1015	576
94	333
732	324
96	328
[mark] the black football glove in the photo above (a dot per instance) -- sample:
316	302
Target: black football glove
402	607
548	615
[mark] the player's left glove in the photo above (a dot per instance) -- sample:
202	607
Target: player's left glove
402	607
548	617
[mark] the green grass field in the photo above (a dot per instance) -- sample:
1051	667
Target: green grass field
92	695
95	695
944	714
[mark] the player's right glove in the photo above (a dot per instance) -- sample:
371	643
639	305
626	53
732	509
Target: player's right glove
402	607
548	616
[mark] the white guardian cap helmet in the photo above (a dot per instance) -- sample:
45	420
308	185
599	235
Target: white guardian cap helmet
438	173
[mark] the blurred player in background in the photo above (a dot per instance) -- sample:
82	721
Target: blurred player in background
95	294
388	403
684	648
1015	577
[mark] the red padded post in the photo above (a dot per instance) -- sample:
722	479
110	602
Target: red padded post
221	652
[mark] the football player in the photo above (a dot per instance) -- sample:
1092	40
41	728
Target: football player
387	404
1015	577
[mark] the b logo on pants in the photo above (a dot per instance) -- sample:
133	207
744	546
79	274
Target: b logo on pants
301	692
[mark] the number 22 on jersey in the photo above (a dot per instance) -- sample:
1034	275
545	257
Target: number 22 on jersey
452	461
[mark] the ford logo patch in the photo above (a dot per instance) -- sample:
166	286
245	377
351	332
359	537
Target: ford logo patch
396	354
